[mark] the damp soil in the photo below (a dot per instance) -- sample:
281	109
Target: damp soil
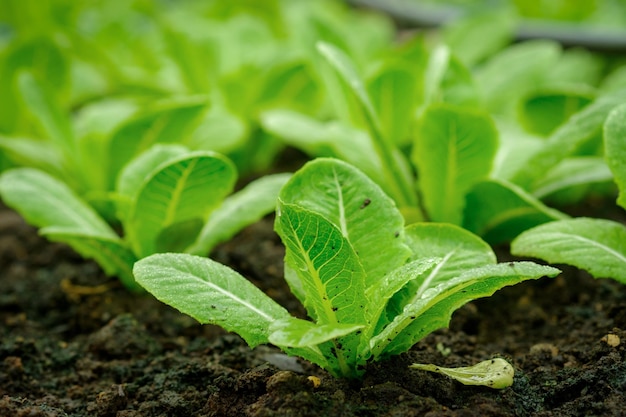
75	343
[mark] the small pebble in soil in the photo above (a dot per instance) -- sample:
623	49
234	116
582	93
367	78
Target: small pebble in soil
287	382
612	340
544	349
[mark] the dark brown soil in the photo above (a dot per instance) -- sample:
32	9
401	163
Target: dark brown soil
75	343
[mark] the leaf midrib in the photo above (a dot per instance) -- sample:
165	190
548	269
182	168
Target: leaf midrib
230	295
563	236
181	183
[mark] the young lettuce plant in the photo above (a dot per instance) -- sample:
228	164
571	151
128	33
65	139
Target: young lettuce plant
167	199
459	155
372	287
453	145
87	151
596	245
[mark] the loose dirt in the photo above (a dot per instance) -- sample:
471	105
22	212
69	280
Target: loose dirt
75	343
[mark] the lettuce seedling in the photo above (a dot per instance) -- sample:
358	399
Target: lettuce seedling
596	245
371	286
167	199
452	147
452	161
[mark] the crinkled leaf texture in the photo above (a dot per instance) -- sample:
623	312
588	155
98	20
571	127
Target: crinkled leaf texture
365	215
338	225
596	245
62	216
371	287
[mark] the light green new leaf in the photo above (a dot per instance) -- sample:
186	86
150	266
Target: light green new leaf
185	189
39	55
382	291
93	125
239	210
331	275
220	130
63	217
397	183
515	71
325	139
294	332
320	138
314	342
578	66
432	309
115	258
102	117
615	149
210	293
41	103
366	217
498	211
458	249
572	172
169	122
34	153
292	85
346	69
192	59
434	73
515	147
596	245
545	110
138	169
45	201
582	126
454	149
479	35
393	91
459	86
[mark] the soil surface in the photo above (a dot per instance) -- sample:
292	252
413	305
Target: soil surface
75	343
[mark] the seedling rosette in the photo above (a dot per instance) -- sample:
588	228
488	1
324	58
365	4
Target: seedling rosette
166	199
372	287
